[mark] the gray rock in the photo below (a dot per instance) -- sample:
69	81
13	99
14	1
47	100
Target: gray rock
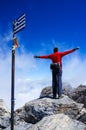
82	116
35	110
21	125
53	122
47	91
79	94
3	105
46	113
4	115
58	122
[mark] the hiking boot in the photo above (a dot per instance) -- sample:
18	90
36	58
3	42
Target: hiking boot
60	96
55	97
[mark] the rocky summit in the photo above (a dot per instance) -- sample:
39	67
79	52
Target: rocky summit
46	113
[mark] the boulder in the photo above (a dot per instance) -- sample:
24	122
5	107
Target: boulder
58	122
53	122
79	94
35	110
47	91
46	113
21	125
4	115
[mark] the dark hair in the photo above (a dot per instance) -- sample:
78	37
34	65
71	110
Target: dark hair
55	49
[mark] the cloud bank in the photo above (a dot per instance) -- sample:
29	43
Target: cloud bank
74	70
30	78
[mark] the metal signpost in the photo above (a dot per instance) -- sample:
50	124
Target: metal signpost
18	25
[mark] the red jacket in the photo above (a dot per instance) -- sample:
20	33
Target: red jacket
57	56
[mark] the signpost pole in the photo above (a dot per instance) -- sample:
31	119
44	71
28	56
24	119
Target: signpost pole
12	86
18	25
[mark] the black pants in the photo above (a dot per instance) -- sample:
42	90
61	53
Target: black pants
56	81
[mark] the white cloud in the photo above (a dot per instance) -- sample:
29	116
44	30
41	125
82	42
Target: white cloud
74	70
24	63
28	90
6	38
32	75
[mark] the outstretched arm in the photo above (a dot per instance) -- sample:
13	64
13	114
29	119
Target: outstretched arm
69	51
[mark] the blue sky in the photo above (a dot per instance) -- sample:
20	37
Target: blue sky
49	24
